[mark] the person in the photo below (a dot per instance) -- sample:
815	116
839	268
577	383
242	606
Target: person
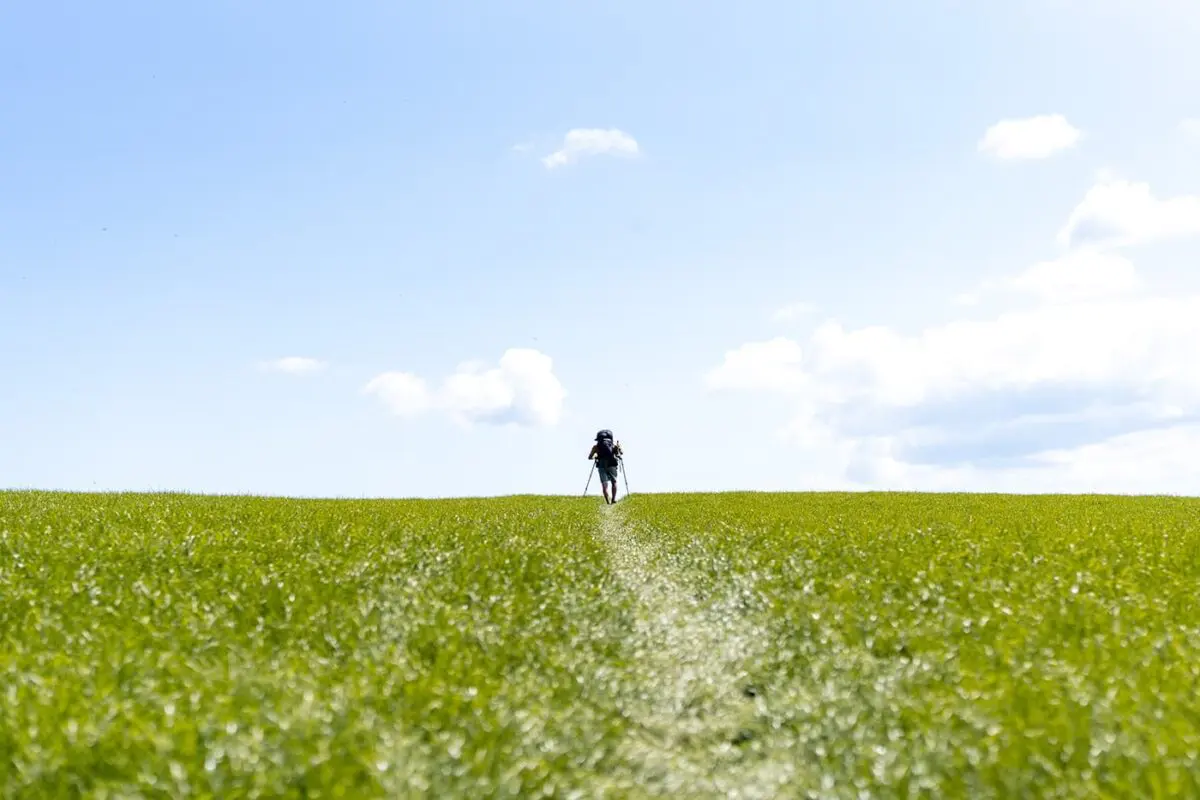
607	454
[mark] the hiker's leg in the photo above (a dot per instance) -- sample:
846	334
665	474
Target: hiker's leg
610	477
604	488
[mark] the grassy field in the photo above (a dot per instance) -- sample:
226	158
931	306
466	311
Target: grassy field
738	645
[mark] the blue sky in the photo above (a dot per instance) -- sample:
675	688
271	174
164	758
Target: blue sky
786	262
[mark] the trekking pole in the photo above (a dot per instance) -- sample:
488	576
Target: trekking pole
624	475
589	481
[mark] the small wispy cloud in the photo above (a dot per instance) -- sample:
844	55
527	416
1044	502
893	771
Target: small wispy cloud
1030	138
295	365
1191	127
793	311
583	142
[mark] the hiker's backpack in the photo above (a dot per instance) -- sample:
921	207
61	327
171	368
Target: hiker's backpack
605	449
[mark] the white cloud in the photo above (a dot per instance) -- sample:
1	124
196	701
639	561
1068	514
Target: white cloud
1079	387
1161	460
1079	275
403	393
582	142
521	390
1029	138
1191	127
883	405
1102	343
1114	213
793	311
771	365
295	365
1156	461
1117	213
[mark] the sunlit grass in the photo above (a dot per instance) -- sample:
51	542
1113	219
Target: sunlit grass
182	646
837	645
963	645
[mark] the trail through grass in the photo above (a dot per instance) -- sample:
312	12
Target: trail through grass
689	694
737	645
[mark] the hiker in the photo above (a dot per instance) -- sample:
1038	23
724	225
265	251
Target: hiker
607	454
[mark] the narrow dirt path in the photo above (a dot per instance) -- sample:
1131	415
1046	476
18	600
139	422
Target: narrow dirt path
691	702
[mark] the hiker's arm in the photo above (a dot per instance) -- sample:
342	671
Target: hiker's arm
592	453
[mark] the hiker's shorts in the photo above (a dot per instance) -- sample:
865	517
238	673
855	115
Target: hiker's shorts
608	474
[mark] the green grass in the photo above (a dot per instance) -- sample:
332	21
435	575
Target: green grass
976	646
878	645
178	646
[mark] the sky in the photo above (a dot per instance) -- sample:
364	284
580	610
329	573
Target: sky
428	249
